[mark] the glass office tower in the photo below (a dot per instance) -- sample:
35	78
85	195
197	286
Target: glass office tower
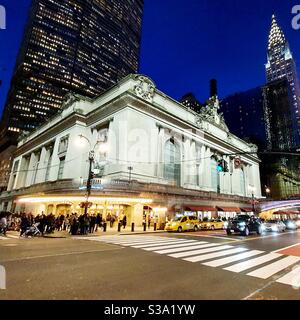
83	46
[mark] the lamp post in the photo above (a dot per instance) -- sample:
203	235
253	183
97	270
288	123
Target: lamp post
90	174
130	170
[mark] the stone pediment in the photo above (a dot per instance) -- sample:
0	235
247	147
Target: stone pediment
210	113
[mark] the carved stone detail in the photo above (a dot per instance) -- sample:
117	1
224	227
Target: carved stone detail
145	88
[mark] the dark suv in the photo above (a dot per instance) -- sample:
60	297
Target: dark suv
244	224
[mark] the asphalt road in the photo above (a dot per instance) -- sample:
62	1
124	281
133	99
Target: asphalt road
72	268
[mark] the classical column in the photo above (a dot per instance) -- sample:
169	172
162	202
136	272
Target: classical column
42	167
193	164
30	170
160	153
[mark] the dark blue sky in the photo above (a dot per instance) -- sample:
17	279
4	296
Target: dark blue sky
186	43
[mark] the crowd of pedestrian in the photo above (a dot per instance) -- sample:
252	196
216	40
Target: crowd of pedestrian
75	224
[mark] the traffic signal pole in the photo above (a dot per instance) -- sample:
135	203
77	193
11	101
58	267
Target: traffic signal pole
89	181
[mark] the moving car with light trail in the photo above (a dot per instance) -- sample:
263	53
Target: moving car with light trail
274	226
183	223
244	224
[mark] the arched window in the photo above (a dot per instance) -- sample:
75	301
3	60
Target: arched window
242	182
215	176
172	162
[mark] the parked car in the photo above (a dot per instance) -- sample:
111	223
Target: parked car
211	224
290	224
244	224
274	225
183	223
297	221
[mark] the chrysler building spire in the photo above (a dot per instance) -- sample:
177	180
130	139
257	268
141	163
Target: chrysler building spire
280	66
276	36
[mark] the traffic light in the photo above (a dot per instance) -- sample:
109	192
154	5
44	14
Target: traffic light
222	166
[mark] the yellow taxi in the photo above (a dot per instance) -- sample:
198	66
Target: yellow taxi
212	224
183	223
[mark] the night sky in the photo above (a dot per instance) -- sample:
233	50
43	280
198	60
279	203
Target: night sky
186	43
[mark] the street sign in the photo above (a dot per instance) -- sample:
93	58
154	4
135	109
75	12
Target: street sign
237	163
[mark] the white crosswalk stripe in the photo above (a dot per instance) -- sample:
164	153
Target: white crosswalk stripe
214	255
209	254
237	257
161	246
239	267
185	248
215	247
292	278
271	269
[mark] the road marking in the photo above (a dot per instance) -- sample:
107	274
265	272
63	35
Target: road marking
241	256
273	268
191	247
214	255
239	267
292	278
288	247
128	243
216	247
162	243
166	245
58	255
198	251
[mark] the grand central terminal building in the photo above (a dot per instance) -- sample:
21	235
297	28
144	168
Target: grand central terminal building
149	155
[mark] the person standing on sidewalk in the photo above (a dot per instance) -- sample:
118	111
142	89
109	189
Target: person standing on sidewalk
3	224
92	223
25	223
124	221
98	221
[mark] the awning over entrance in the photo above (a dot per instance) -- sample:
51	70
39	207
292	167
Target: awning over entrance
229	209
287	212
201	208
247	209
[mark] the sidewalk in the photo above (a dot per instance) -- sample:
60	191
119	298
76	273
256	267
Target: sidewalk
109	231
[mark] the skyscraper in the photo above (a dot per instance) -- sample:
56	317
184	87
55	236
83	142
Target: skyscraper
244	115
83	46
190	101
281	65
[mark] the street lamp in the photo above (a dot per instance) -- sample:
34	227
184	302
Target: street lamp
268	191
102	149
252	190
130	170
